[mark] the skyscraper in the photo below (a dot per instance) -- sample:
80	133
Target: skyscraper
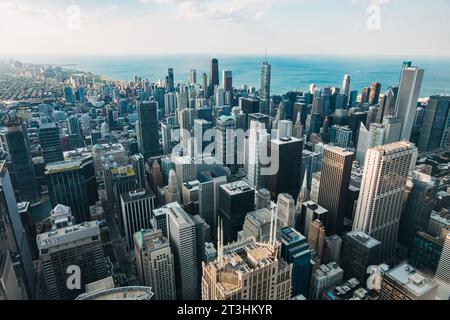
227	80
316	238
213	75
408	94
148	138
443	272
258	137
286	210
264	93
324	278
346	85
381	196
334	184
375	89
225	141
50	141
155	263
170	80
137	207
434	123
172	193
193	76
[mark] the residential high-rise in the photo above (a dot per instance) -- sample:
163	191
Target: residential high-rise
50	141
334	184
434	123
443	272
406	283
227	80
247	270
16	142
148	137
286	156
155	263
286	210
381	196
324	278
73	183
185	241
236	199
296	251
408	94
68	246
137	207
213	75
359	251
264	93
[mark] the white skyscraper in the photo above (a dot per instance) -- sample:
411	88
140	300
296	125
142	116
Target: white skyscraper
408	95
258	134
346	85
374	137
286	210
382	190
443	272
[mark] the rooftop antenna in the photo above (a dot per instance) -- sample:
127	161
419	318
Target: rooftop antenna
220	243
265	54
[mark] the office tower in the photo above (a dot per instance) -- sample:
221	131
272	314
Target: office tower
408	94
137	161
375	89
297	130
204	86
148	137
155	176
324	278
340	136
235	201
260	273
406	283
309	212
346	85
9	283
443	272
316	238
16	142
172	193
170	80
333	246
50	142
170	104
257	225
368	139
434	124
73	183
192	76
166	134
286	210
285	155
184	235
68	245
213	75
263	199
227	80
264	93
13	237
202	137
155	263
392	129
75	134
284	128
359	251
137	207
118	179
421	201
182	100
258	138
219	97
68	95
381	196
296	251
225	141
426	252
386	104
185	170
334	184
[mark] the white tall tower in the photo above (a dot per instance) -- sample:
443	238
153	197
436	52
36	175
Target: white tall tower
381	197
346	85
258	134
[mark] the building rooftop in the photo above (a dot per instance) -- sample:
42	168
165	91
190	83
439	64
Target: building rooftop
285	140
236	187
259	217
137	195
328	270
123	293
364	239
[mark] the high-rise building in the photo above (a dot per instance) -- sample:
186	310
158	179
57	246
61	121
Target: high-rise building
13	237
227	80
185	241
359	251
316	238
155	263
225	141
137	207
324	278
193	76
286	210
340	136
334	184
264	93
9	283
408	94
257	225
286	156
16	143
381	196
296	251
443	272
213	75
247	270
73	183
50	141
201	130
406	283
148	137
138	163
172	193
375	89
170	80
310	211
258	137
346	85
66	247
392	129
434	123
386	104
236	199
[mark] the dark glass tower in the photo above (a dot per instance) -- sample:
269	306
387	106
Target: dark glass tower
213	75
148	137
50	141
264	93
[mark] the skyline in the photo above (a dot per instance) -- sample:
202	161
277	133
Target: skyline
51	27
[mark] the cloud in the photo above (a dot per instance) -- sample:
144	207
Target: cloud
218	10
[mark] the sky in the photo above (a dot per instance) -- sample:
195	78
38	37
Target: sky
282	27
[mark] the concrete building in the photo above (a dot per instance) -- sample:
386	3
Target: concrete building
324	278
